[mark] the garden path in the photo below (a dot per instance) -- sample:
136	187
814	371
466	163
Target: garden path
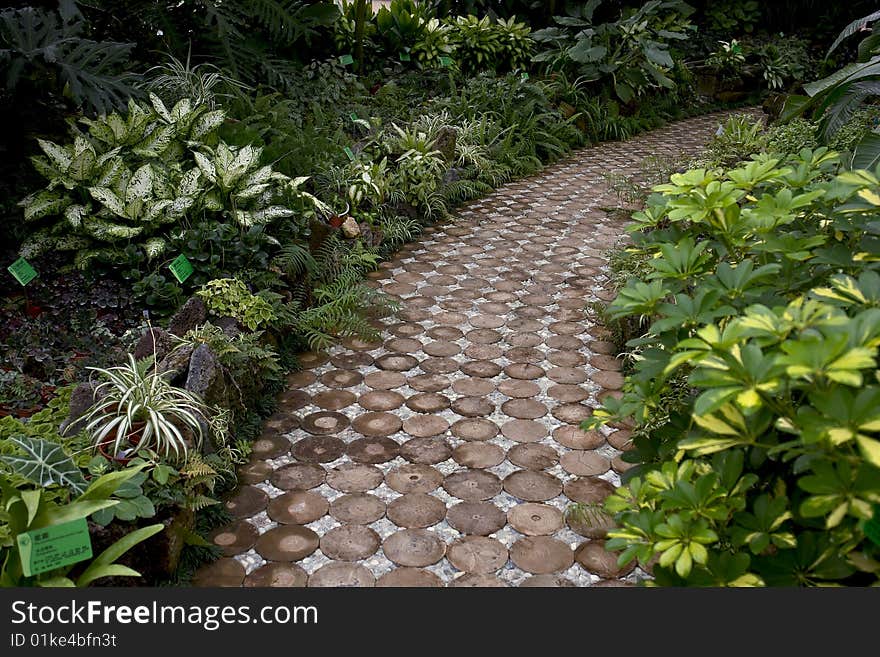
448	453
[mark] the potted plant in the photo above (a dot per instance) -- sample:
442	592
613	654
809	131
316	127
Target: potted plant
137	408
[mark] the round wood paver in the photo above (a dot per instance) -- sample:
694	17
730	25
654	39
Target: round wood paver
486	321
524	409
566	375
396	362
481	368
351	360
533	456
428	402
377	425
568	393
441	349
409	578
293	400
404	345
572	413
354	477
429	382
414	478
349	543
247	501
301	379
224	572
405	330
583	463
357	508
524	431
381	400
472	387
385	380
547	581
324	423
524	340
318	449
525	371
297	508
593	557
472	406
575	438
236	538
425	426
478	429
254	472
269	447
524	355
298	476
414	547
372	450
541	555
477	580
519	389
445	333
312	359
416	510
334	400
588	490
428	450
478	455
341	378
276	574
439	365
532	486
477	554
477	518
287	543
283	422
483	352
337	574
535	519
472	485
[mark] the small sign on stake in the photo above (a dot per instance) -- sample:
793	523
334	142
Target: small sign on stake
405	57
445	61
22	271
181	268
54	547
346	60
353	116
524	77
349	153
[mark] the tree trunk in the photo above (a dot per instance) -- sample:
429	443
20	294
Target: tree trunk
360	19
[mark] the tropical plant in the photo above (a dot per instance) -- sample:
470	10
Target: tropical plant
136	409
229	297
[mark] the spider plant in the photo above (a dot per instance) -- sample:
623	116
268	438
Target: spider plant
138	409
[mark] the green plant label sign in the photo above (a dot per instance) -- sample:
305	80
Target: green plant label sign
54	547
524	76
349	153
346	60
181	268
445	61
353	116
404	57
22	271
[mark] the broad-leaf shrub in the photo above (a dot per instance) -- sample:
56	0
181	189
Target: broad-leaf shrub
754	394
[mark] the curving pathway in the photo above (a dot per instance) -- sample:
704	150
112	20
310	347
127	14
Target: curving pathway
447	454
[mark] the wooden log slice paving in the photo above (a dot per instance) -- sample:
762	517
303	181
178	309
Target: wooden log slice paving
486	321
414	478
477	554
478	580
341	378
357	508
409	578
481	368
524	355
425	426
428	402
276	574
359	344
384	380
535	519
282	422
372	450
524	431
594	558
473	387
445	333
224	572
406	330
324	423
588	490
312	359
567	375
477	518
524	340
301	379
608	380
236	538
354	477
603	362
381	400
568	393
620	439
404	345
318	449
566	358
396	362
526	325
591	521
565	342
428	382
524	409
533	456
287	543
254	472
298	476
297	507
572	413
473	406
472	485
349	543
439	365
414	547
334	400
441	349
532	486
270	446
339	574
427	450
576	438
376	425
248	501
541	555
478	455
583	463
519	389
352	360
416	510
478	429
483	352
546	581
524	371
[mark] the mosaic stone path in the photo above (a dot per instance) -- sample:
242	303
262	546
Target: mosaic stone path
448	453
